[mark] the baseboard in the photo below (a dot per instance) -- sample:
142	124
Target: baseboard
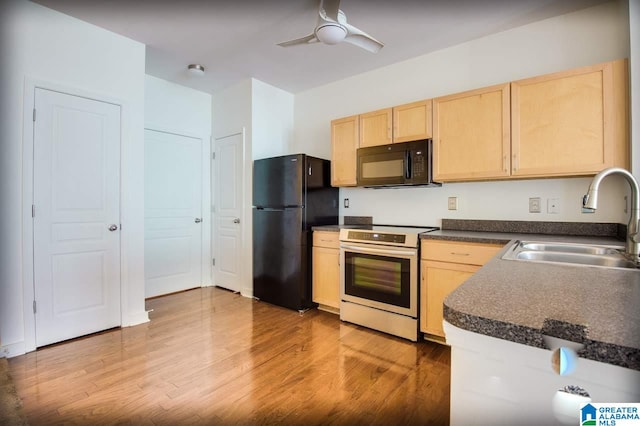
135	319
329	309
14	349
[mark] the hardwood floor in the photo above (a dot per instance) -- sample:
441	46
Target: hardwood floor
210	356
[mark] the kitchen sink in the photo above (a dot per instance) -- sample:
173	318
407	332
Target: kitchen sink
570	248
567	253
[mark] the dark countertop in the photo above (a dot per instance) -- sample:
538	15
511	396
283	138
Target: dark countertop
522	301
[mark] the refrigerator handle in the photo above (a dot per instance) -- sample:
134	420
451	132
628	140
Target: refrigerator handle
269	209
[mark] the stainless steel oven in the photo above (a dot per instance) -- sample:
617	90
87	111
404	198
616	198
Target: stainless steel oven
379	270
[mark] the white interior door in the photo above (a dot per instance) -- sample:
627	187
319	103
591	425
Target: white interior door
76	221
173	212
228	227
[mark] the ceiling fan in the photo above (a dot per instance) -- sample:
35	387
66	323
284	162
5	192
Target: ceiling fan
332	28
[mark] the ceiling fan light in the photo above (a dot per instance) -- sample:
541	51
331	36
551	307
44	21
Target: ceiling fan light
331	33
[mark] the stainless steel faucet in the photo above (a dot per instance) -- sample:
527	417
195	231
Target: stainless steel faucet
590	201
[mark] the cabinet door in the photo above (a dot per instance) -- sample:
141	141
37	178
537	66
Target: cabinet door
326	277
471	135
570	123
412	121
344	143
375	128
438	279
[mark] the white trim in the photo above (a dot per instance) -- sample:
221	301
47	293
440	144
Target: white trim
30	86
135	318
14	349
205	210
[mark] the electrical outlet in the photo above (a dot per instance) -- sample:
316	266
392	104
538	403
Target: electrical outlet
346	203
534	205
453	203
553	205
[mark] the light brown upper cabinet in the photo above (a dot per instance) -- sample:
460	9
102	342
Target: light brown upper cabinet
344	143
376	128
471	135
403	123
412	122
570	123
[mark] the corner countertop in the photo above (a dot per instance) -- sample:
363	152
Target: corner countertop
522	301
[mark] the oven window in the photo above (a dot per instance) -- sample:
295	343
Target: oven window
384	279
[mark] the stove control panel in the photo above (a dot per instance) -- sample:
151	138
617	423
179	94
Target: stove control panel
378	237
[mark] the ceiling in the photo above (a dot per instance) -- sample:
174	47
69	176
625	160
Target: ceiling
236	40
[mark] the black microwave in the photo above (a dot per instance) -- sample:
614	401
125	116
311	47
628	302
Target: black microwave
398	164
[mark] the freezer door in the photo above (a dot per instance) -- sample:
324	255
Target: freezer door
281	256
278	181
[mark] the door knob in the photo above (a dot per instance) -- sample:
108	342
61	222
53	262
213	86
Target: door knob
198	220
113	227
236	220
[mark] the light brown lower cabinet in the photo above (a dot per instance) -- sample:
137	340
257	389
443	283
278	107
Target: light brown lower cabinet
444	266
326	271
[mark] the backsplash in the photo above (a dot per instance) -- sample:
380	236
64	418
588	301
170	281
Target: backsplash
496	200
538	227
358	220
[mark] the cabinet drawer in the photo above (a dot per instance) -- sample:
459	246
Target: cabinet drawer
326	239
457	252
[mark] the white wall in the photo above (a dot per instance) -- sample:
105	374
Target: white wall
272	123
44	45
172	108
585	37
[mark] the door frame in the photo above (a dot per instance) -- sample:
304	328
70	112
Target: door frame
28	283
205	164
245	217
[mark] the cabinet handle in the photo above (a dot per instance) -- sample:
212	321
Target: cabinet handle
460	254
389	132
504	163
515	162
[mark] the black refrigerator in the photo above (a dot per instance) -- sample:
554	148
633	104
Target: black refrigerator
291	194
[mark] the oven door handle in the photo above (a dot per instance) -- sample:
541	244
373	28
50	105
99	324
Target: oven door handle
390	252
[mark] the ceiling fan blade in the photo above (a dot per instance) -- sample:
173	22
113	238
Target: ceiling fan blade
361	39
331	8
311	38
